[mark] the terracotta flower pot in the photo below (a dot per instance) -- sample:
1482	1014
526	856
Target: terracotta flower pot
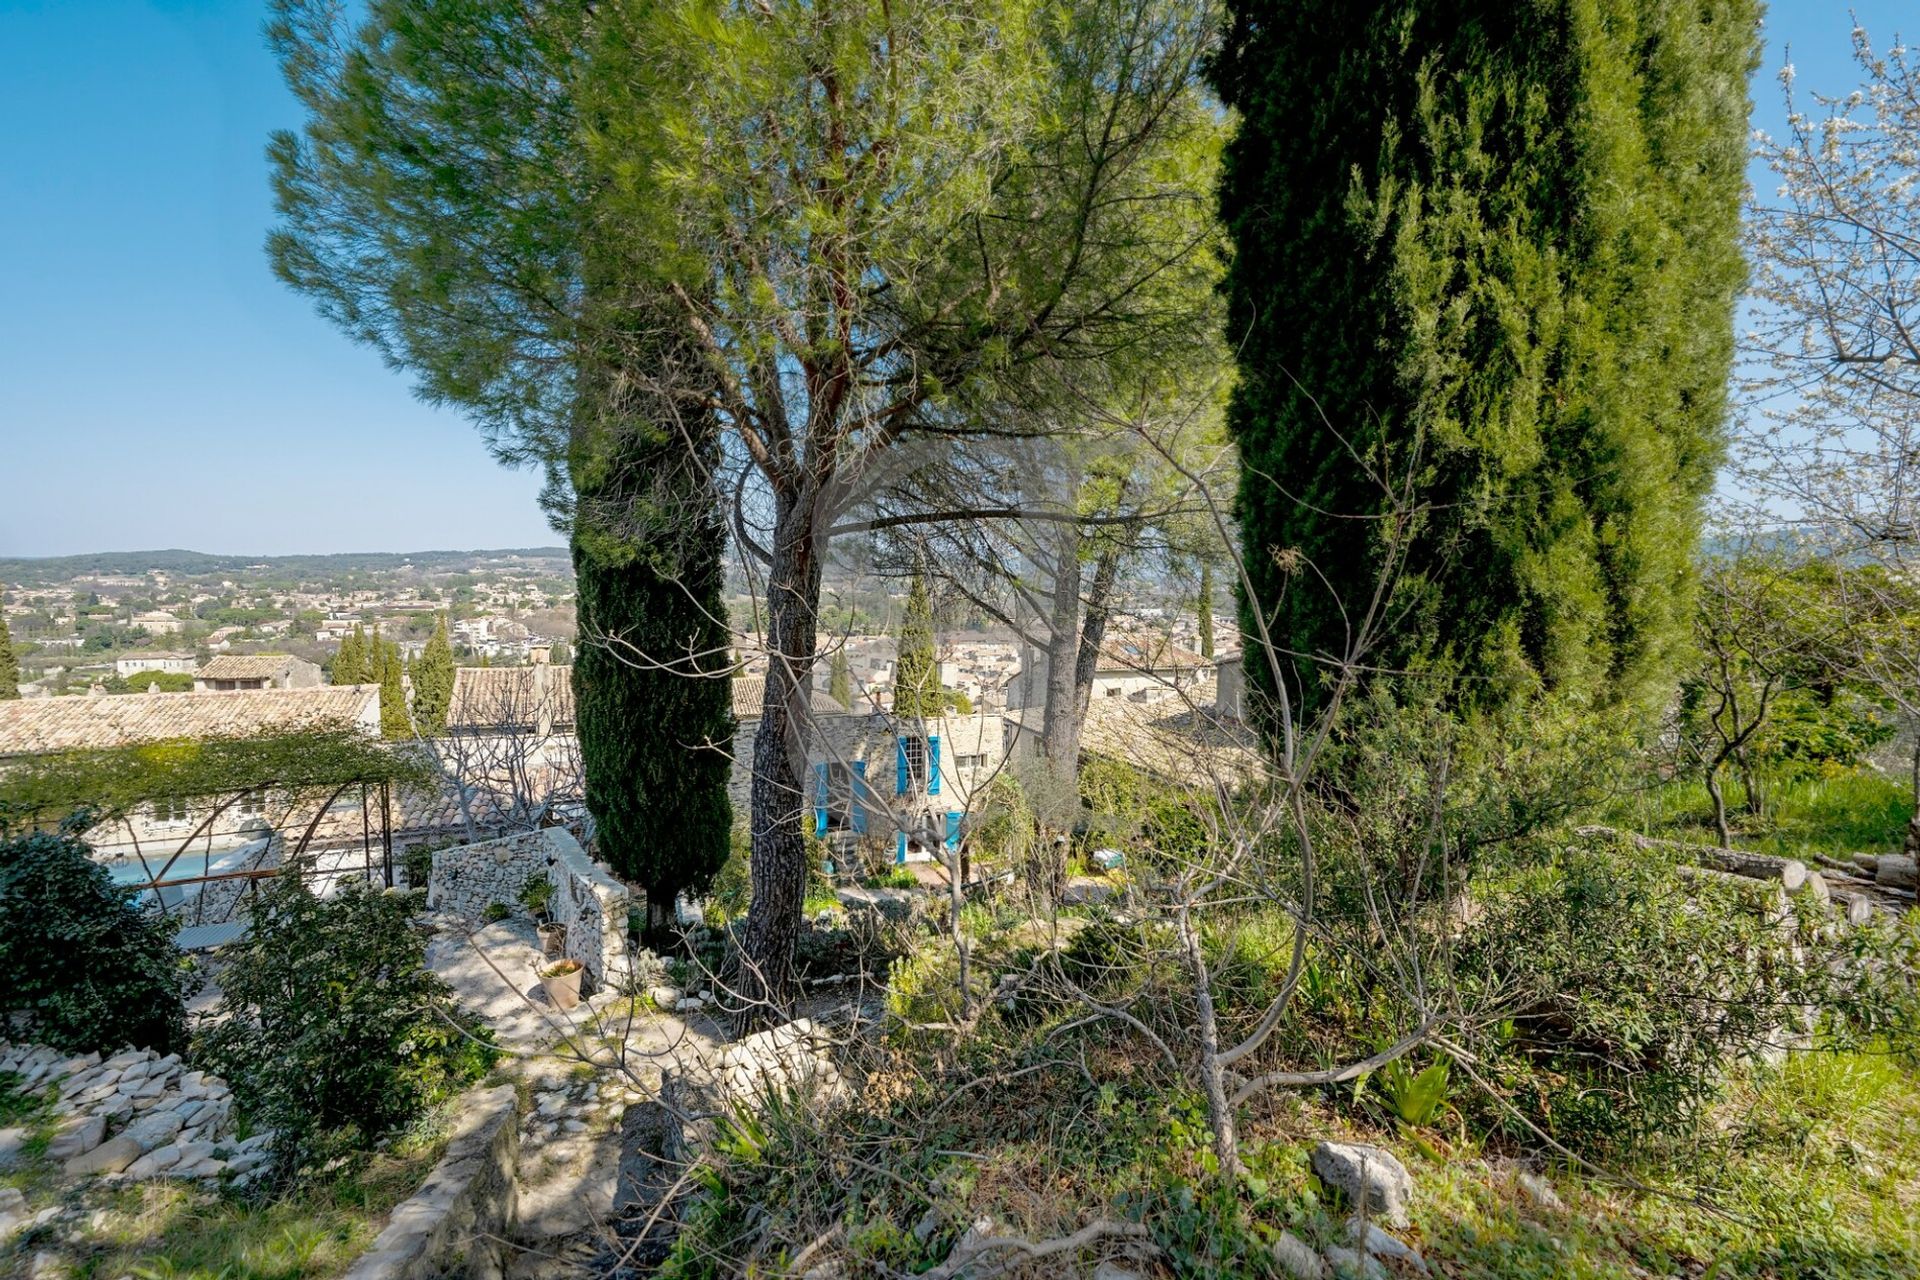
553	940
562	983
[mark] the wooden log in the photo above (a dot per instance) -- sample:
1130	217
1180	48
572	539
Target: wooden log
1855	907
1895	872
1769	896
1816	889
1791	873
1867	862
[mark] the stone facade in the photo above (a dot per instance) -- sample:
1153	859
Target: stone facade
587	900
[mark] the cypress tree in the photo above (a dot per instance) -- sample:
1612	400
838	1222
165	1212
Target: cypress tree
393	697
840	679
916	673
9	665
350	664
1205	610
648	544
1497	243
433	681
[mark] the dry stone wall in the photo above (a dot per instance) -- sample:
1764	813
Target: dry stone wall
138	1116
587	900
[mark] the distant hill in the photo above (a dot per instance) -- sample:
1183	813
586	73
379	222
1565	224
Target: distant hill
24	569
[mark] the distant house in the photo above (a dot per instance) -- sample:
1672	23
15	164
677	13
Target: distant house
158	622
1137	666
172	663
531	699
244	672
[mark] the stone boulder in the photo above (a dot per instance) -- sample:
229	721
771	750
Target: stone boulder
1376	1184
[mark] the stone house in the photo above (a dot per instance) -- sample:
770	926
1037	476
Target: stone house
44	726
243	672
171	663
877	780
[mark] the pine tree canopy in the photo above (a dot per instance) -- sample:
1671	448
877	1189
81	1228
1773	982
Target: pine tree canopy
1493	248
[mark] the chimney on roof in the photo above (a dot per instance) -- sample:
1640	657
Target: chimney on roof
540	654
96	691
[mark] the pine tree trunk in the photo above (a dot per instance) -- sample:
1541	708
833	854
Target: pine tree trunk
763	974
1719	808
1094	633
1060	727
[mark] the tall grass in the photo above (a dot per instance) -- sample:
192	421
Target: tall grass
1857	812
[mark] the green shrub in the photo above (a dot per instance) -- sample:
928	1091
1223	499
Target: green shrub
333	1032
141	681
88	968
537	893
496	912
417	860
1634	993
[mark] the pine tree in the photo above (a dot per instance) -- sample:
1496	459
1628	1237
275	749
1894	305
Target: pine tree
840	679
1205	609
562	655
433	681
393	697
350	664
1499	244
9	665
916	671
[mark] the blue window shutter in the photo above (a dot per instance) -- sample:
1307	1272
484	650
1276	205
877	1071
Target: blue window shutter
899	766
933	766
857	810
953	830
820	799
900	849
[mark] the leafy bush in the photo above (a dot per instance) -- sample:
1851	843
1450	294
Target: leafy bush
334	1033
537	893
1634	992
88	968
1415	1097
141	681
496	912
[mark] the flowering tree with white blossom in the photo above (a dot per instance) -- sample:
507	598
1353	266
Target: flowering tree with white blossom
1833	356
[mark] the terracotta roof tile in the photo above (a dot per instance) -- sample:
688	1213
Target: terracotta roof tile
244	666
489	696
36	725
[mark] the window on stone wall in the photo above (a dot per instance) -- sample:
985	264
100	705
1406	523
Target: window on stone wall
170	812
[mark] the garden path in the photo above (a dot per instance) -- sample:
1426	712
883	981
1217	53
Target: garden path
580	1069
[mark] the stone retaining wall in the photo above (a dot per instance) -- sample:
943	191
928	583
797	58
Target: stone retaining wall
457	1222
138	1116
592	905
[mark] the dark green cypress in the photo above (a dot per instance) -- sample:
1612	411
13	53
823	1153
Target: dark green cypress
653	702
9	665
1495	246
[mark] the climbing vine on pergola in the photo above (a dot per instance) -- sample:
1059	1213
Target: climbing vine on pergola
86	788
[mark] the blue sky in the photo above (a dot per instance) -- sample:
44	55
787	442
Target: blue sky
158	388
